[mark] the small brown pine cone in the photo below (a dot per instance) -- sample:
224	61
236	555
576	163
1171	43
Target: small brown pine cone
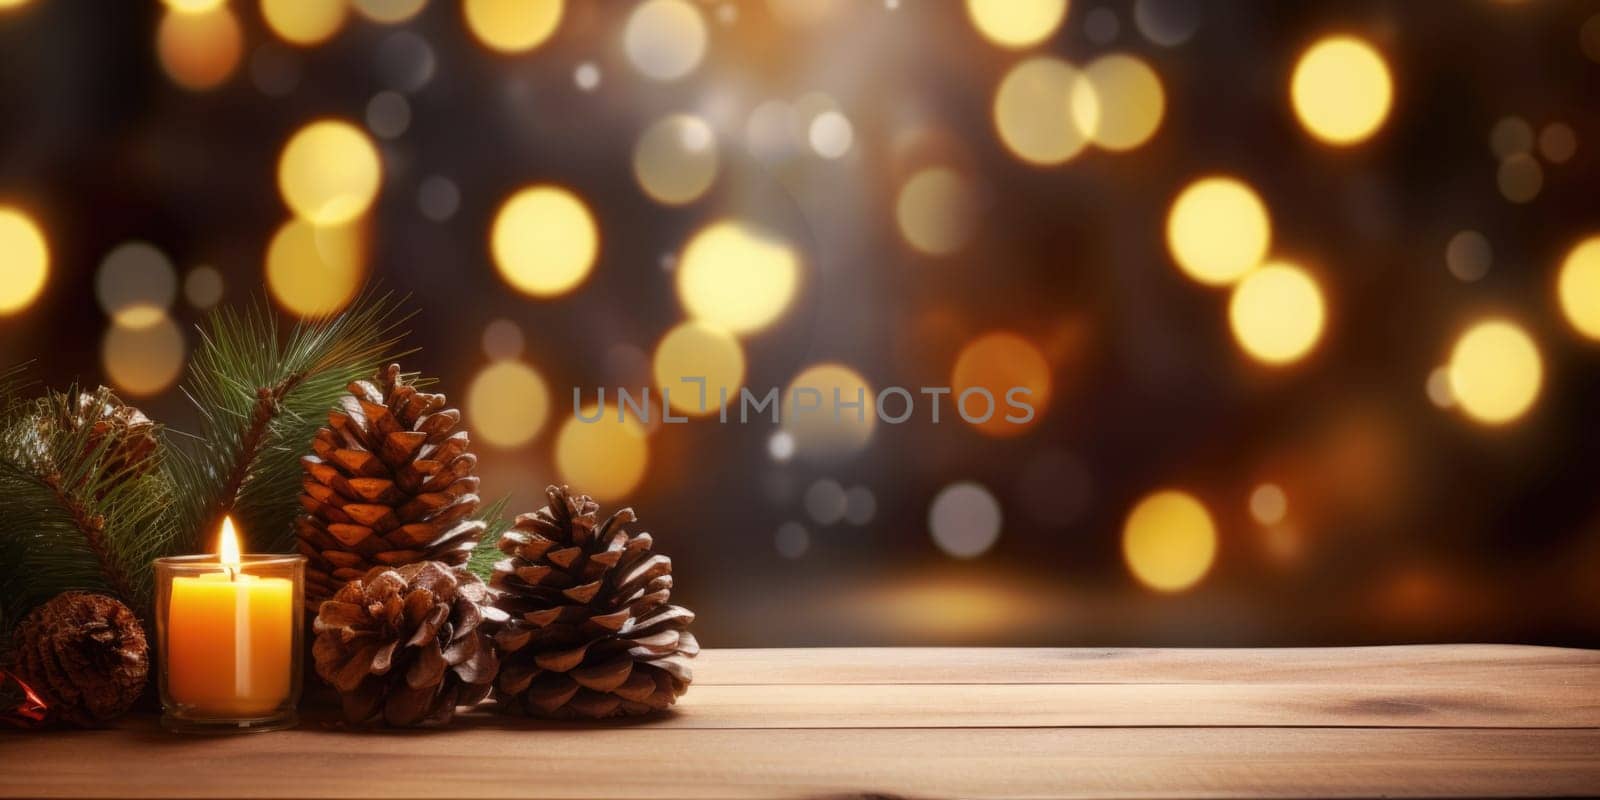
590	632
85	654
390	483
405	646
126	434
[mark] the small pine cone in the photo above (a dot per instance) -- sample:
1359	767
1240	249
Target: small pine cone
390	483
85	654
590	632
406	646
126	434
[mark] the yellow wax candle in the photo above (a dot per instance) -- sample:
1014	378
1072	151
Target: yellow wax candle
230	639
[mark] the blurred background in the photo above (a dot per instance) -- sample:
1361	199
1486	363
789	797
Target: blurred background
1308	294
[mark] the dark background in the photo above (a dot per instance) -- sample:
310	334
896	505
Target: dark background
1407	522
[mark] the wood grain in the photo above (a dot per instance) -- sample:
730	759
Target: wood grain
1413	721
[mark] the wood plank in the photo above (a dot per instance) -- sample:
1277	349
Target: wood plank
638	762
1530	704
1431	665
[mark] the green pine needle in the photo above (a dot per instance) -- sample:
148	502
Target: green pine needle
487	553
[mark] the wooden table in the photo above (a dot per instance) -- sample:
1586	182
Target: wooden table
1470	720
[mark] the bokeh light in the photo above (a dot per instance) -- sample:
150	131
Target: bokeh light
936	211
1341	90
203	287
1496	372
607	457
512	26
502	340
507	404
824	501
1268	504
145	360
860	505
1511	136
1131	101
329	172
665	39
1016	23
819	434
313	271
544	241
699	351
388	12
1558	142
737	277
1578	287
1169	541
675	160
998	363
304	22
1218	230
830	134
24	260
1468	256
1168	23
1520	178
1045	111
1277	313
965	520
136	284
199	50
192	6
792	540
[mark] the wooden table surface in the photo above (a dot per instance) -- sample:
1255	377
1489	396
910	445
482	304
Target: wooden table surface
1467	720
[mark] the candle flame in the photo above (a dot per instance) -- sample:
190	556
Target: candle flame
230	545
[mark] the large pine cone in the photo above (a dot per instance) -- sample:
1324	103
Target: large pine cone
85	654
590	632
406	646
391	483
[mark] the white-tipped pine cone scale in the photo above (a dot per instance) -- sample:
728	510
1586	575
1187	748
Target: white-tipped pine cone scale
591	632
390	482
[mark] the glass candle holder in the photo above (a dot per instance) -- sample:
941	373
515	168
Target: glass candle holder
230	639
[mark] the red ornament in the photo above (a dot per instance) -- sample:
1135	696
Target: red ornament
20	705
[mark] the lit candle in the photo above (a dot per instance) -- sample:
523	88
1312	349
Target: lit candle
230	636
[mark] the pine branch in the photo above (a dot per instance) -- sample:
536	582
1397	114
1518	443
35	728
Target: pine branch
79	509
487	553
261	397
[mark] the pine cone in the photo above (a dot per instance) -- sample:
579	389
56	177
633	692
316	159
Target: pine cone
126	434
389	484
85	654
590	632
406	646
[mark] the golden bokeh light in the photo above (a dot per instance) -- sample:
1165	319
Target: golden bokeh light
675	160
1131	101
1277	313
203	287
388	12
607	457
24	261
736	277
314	271
304	22
329	172
1045	110
512	26
144	360
1578	287
1218	230
199	50
664	39
1520	178
936	211
1016	23
1341	90
544	241
808	406
1169	541
192	6
699	352
1496	372
507	404
1000	363
1268	504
